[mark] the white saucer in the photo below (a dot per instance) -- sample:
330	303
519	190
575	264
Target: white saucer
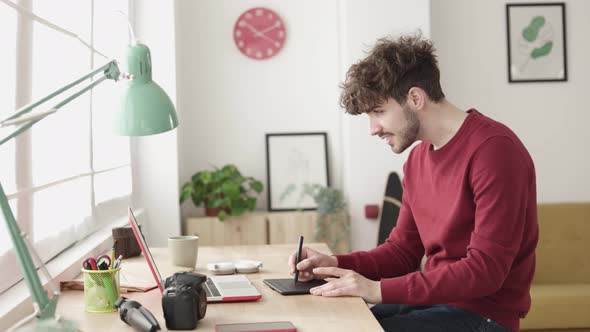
240	266
222	268
248	266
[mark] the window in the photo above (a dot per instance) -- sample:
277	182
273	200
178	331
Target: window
7	98
73	174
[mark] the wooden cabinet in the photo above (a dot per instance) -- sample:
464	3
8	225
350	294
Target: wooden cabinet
271	228
286	227
250	228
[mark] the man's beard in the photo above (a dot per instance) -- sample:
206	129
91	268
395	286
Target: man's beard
410	132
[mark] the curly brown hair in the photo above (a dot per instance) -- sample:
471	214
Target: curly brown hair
391	68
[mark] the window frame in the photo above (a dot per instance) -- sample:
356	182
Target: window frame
102	214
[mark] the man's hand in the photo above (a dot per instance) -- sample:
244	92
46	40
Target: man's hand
311	259
347	283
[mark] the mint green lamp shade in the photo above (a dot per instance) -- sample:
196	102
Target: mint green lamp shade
145	108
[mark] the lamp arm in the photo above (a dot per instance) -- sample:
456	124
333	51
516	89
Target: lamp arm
111	71
38	294
45	306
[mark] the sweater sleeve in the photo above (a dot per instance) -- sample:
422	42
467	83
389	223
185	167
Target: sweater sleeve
400	254
500	178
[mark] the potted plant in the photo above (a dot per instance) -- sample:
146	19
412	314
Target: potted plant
329	200
333	224
223	191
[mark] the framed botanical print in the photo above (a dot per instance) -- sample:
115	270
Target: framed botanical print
536	37
295	160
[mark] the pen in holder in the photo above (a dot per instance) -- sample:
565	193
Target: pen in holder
101	289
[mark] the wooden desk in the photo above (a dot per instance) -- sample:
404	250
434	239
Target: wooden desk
306	312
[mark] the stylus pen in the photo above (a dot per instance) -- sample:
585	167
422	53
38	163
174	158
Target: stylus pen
298	258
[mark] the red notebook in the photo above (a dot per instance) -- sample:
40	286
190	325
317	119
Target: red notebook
256	327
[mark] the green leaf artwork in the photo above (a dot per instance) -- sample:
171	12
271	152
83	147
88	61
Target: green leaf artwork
532	34
542	51
536	42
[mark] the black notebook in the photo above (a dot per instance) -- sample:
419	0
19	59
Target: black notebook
290	287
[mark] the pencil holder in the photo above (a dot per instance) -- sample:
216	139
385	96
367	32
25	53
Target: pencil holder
101	290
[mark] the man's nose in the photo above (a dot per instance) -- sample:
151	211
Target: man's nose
374	127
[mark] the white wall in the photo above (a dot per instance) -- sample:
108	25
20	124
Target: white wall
368	161
155	158
229	102
550	118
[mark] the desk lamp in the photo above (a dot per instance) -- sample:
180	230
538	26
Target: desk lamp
145	110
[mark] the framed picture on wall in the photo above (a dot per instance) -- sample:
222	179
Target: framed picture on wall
536	42
293	161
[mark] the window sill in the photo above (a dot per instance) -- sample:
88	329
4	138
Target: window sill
15	303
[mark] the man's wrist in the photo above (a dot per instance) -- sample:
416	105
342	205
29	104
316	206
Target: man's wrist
377	293
334	260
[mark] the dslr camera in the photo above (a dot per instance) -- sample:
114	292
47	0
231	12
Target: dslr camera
184	301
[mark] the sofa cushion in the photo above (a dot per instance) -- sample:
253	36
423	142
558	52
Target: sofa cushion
564	244
558	306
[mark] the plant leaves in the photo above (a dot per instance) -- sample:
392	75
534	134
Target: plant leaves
251	203
230	189
230	168
238	203
223	187
219	202
187	191
257	186
221	215
239	206
237	212
197	201
205	177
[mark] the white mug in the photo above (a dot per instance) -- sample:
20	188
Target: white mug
183	250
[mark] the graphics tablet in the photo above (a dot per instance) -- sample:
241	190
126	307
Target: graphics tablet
289	287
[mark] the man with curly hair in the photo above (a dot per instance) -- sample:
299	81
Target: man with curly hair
469	205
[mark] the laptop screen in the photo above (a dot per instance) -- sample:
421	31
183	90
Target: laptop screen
145	249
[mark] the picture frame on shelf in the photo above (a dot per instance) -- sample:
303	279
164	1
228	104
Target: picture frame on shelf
293	161
536	37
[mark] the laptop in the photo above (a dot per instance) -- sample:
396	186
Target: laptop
232	288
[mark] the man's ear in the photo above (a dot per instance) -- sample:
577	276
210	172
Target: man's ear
416	98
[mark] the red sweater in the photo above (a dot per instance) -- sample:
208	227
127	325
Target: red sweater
471	208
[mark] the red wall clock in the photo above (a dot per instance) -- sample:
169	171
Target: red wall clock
259	33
